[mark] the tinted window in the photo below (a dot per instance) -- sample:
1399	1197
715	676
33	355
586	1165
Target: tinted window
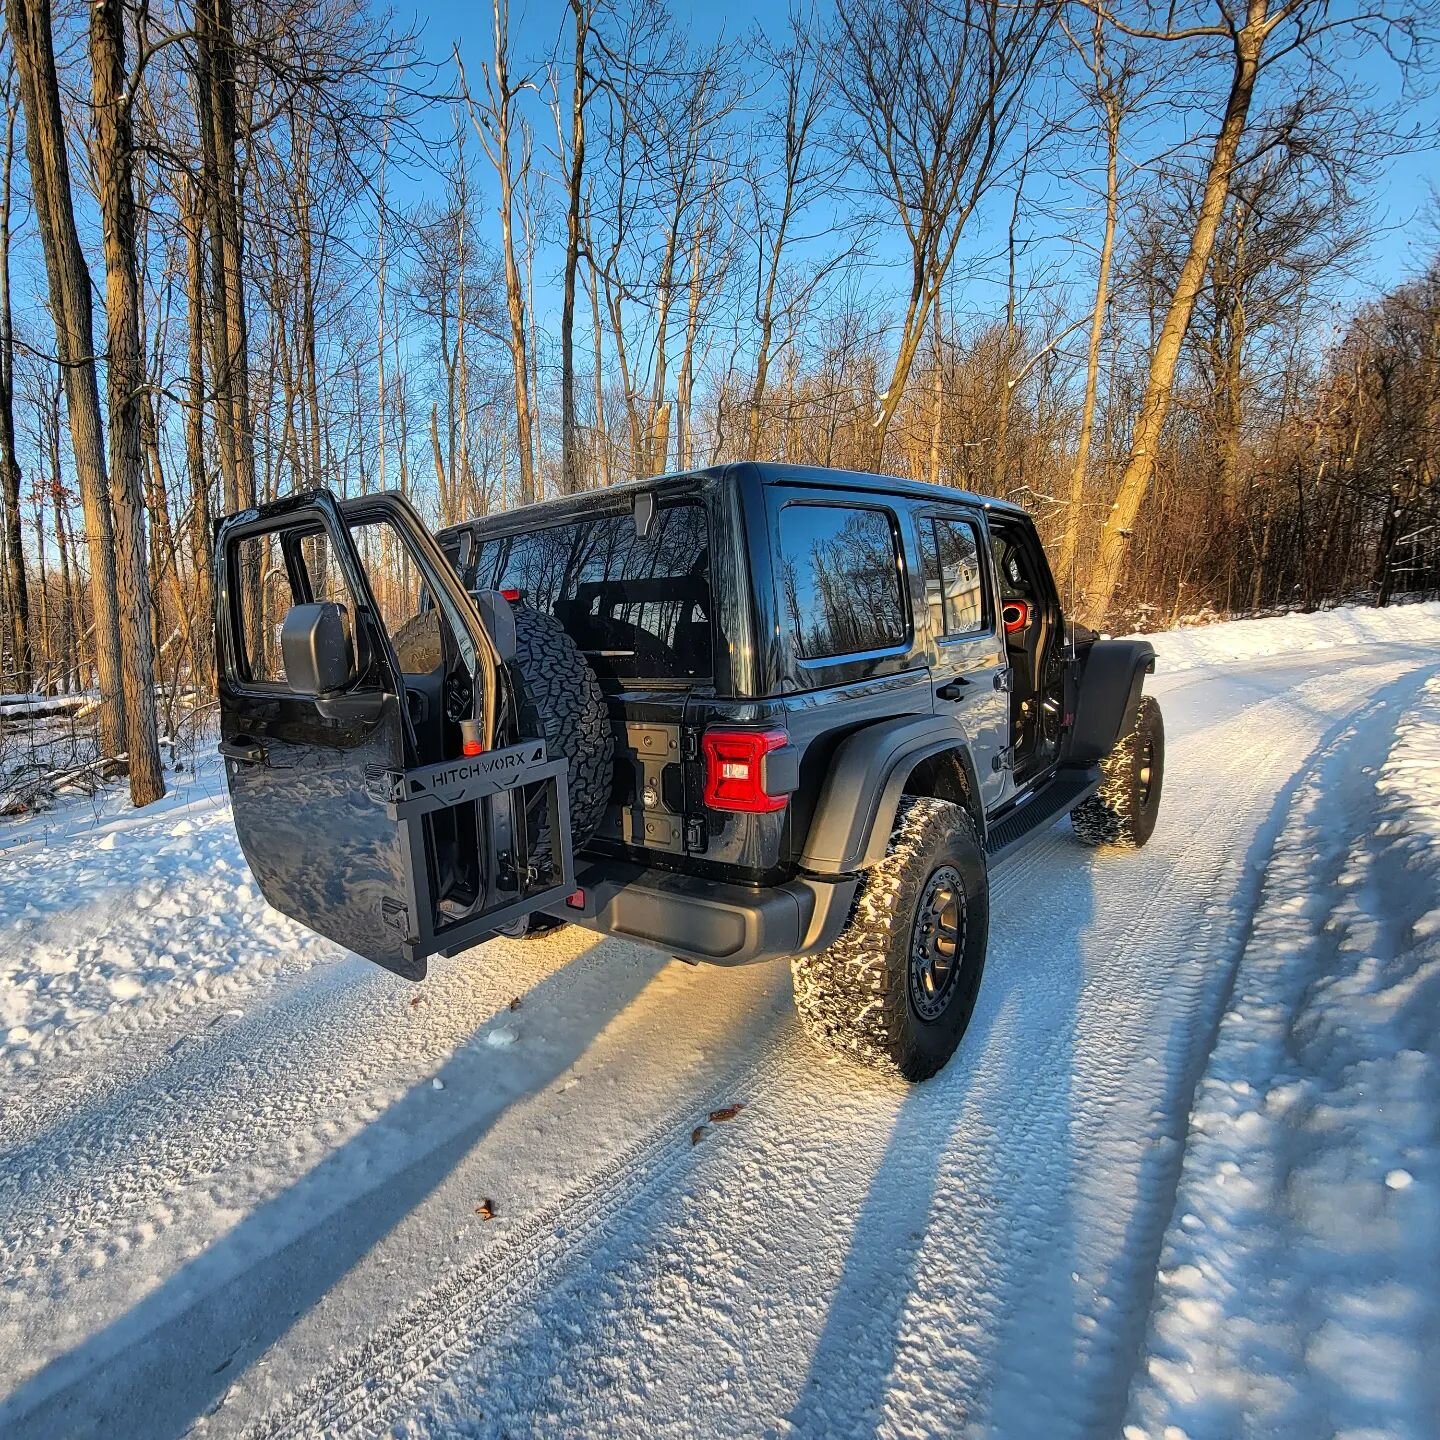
637	608
840	580
263	591
953	583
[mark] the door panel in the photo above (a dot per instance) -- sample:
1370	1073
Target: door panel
321	849
400	812
968	664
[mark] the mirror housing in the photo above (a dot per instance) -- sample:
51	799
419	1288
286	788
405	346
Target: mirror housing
319	648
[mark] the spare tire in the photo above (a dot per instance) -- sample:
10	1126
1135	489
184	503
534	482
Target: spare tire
563	703
560	701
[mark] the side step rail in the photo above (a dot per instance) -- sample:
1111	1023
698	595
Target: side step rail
1033	818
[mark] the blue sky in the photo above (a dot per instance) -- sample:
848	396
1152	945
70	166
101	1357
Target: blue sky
1404	241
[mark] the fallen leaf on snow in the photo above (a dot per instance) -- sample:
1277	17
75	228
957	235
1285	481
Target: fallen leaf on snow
697	1134
486	1209
728	1112
415	1001
515	1003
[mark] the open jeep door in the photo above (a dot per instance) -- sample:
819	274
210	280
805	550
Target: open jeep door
381	792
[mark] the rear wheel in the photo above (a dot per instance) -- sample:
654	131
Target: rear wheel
1124	809
898	987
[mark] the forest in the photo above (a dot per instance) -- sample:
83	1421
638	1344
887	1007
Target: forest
1114	261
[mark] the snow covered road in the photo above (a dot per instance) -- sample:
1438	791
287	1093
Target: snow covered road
240	1171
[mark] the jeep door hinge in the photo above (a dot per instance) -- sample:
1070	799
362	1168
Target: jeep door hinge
1003	759
1004	679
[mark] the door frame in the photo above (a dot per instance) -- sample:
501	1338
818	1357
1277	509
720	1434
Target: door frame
417	786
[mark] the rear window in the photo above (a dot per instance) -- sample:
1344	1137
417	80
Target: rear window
840	579
639	609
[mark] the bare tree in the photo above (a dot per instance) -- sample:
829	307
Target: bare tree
1252	41
497	123
126	384
1109	90
933	93
572	162
29	25
807	169
17	591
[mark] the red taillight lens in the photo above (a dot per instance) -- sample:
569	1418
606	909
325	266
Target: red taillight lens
512	594
735	770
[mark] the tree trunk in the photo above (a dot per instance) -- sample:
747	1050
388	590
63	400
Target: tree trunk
125	377
18	594
494	125
70	305
229	344
1104	575
69	601
1069	545
569	427
602	429
202	543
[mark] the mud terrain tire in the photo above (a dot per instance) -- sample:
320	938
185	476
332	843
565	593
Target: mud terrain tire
1124	809
564	703
923	910
561	701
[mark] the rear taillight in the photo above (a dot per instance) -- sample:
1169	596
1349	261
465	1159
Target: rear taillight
513	594
735	770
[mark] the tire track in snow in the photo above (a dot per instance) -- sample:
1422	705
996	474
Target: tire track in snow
92	1188
114	1179
476	1300
480	1300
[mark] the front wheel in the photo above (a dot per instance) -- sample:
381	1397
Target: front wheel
1124	809
898	987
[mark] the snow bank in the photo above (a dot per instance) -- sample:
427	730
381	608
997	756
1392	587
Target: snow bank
115	917
1232	640
1297	1290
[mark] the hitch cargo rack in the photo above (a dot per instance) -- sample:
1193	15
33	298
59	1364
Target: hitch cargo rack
498	783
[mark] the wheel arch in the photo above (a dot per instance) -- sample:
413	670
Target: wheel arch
870	773
1110	689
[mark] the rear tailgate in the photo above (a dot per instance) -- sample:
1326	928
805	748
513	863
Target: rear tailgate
641	610
654	786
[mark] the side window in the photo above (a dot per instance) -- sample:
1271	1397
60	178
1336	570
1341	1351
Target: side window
265	595
397	591
264	592
961	582
840	579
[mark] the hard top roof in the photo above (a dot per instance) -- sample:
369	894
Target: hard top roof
766	472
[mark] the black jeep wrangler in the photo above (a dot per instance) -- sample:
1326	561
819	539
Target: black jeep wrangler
742	713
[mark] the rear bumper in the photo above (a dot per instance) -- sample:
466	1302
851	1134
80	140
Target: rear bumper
706	921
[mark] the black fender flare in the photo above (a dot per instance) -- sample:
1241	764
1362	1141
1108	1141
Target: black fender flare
855	815
1110	687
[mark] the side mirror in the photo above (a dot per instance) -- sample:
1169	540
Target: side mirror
318	647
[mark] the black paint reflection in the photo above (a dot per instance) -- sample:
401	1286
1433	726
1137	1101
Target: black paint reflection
320	847
840	579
